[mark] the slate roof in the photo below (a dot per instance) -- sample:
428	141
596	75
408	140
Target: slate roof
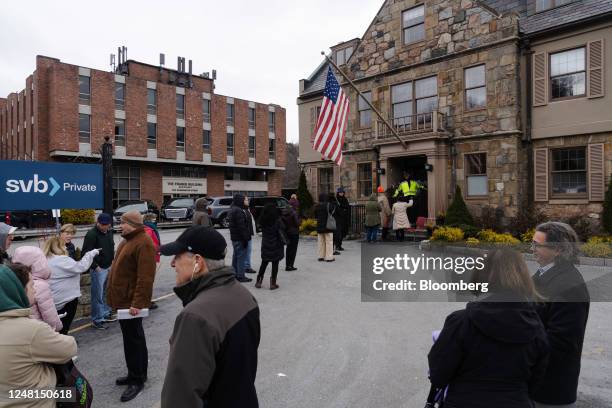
569	13
316	81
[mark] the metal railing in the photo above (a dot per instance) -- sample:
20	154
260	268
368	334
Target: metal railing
429	122
357	219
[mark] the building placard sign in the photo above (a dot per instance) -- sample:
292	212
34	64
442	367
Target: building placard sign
27	185
183	186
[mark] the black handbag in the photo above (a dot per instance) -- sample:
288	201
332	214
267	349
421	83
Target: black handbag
70	376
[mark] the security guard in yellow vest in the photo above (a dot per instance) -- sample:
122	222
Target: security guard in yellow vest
407	188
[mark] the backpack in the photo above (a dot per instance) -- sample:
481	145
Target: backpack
69	376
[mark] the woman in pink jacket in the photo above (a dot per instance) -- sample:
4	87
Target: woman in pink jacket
43	307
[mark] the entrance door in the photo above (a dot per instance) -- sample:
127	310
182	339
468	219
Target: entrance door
415	166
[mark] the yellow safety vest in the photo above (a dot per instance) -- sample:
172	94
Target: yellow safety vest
407	189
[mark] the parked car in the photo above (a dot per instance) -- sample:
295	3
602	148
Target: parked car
218	210
28	219
178	209
256	204
144	206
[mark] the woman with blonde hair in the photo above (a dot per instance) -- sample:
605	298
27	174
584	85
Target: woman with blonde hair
65	281
67	232
495	352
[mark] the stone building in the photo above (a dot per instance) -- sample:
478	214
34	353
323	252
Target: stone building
453	77
173	136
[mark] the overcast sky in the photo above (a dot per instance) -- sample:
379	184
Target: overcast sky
260	49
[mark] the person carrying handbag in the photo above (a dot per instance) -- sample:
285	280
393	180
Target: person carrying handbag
273	241
326	225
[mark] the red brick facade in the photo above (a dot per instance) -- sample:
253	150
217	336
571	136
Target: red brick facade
193	125
218	143
151	183
135	117
166	121
261	135
102	108
241	131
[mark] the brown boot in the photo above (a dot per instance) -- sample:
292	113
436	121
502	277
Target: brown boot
273	284
259	281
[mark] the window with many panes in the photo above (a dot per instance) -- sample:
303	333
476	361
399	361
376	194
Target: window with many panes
151	101
119	96
343	55
413	24
230	114
542	5
180	139
180	106
206	141
84	128
230	144
569	171
476	174
84	90
272	121
364	179
152	135
251	118
326	180
185	171
252	146
412	98
271	147
365	113
475	88
126	184
568	73
119	132
206	110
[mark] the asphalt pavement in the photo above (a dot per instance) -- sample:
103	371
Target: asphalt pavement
321	346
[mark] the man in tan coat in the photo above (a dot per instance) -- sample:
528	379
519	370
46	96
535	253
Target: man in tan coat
130	286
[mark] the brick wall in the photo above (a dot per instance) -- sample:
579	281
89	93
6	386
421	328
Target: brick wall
241	131
151	183
215	181
261	135
136	117
20	128
193	125
28	117
166	121
153	74
275	181
14	125
3	128
64	108
280	133
42	79
102	108
218	136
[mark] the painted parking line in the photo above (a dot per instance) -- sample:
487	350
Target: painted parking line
85	326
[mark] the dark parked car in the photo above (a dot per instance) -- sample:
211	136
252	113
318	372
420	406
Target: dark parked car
144	206
28	219
256	204
218	210
178	209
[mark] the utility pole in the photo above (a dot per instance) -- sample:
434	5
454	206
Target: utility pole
107	175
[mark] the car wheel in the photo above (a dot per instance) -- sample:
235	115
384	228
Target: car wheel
224	222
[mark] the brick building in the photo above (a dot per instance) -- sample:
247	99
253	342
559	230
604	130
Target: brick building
173	136
468	86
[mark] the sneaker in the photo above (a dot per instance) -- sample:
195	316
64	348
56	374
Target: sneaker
340	249
337	253
244	279
291	268
99	326
153	306
110	318
250	270
131	392
320	259
330	260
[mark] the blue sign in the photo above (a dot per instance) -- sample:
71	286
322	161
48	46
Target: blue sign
26	185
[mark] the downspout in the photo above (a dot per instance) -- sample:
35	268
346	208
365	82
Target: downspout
527	144
377	153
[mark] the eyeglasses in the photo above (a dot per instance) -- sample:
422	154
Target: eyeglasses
535	244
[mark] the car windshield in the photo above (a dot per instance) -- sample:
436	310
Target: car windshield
130	207
185	202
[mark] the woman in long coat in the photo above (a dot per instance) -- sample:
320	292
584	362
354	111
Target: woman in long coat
400	218
272	243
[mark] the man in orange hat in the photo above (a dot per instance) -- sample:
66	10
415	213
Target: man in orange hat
385	213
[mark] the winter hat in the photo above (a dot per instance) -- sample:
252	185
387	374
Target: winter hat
134	218
5	231
340	190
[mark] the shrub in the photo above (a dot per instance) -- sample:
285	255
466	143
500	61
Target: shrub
494	237
78	217
487	219
448	234
440	218
527	217
600	239
313	234
469	231
472	241
457	212
582	225
527	236
606	216
597	249
308	225
304	197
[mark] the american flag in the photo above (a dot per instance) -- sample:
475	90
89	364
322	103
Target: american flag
331	124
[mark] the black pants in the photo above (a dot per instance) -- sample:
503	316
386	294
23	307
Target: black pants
412	212
338	236
70	309
399	234
292	246
135	349
262	269
385	234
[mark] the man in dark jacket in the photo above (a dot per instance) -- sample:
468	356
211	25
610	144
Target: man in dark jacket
343	218
239	226
100	237
565	314
292	228
213	348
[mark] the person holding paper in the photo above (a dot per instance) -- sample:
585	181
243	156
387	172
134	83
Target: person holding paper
130	286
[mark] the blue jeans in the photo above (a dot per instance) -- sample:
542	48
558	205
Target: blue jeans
99	308
371	233
247	259
238	258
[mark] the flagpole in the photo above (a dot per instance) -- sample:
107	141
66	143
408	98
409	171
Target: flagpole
368	102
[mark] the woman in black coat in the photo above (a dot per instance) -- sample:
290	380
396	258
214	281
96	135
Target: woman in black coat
272	243
493	353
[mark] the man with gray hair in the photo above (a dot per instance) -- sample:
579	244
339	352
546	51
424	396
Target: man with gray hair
213	348
564	314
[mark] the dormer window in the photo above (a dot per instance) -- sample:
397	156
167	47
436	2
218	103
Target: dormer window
542	5
343	55
413	24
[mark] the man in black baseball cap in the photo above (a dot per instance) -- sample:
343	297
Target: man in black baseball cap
217	333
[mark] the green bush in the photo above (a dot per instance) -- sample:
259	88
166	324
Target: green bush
469	231
447	234
308	225
597	249
527	237
606	216
457	213
304	197
78	217
497	238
